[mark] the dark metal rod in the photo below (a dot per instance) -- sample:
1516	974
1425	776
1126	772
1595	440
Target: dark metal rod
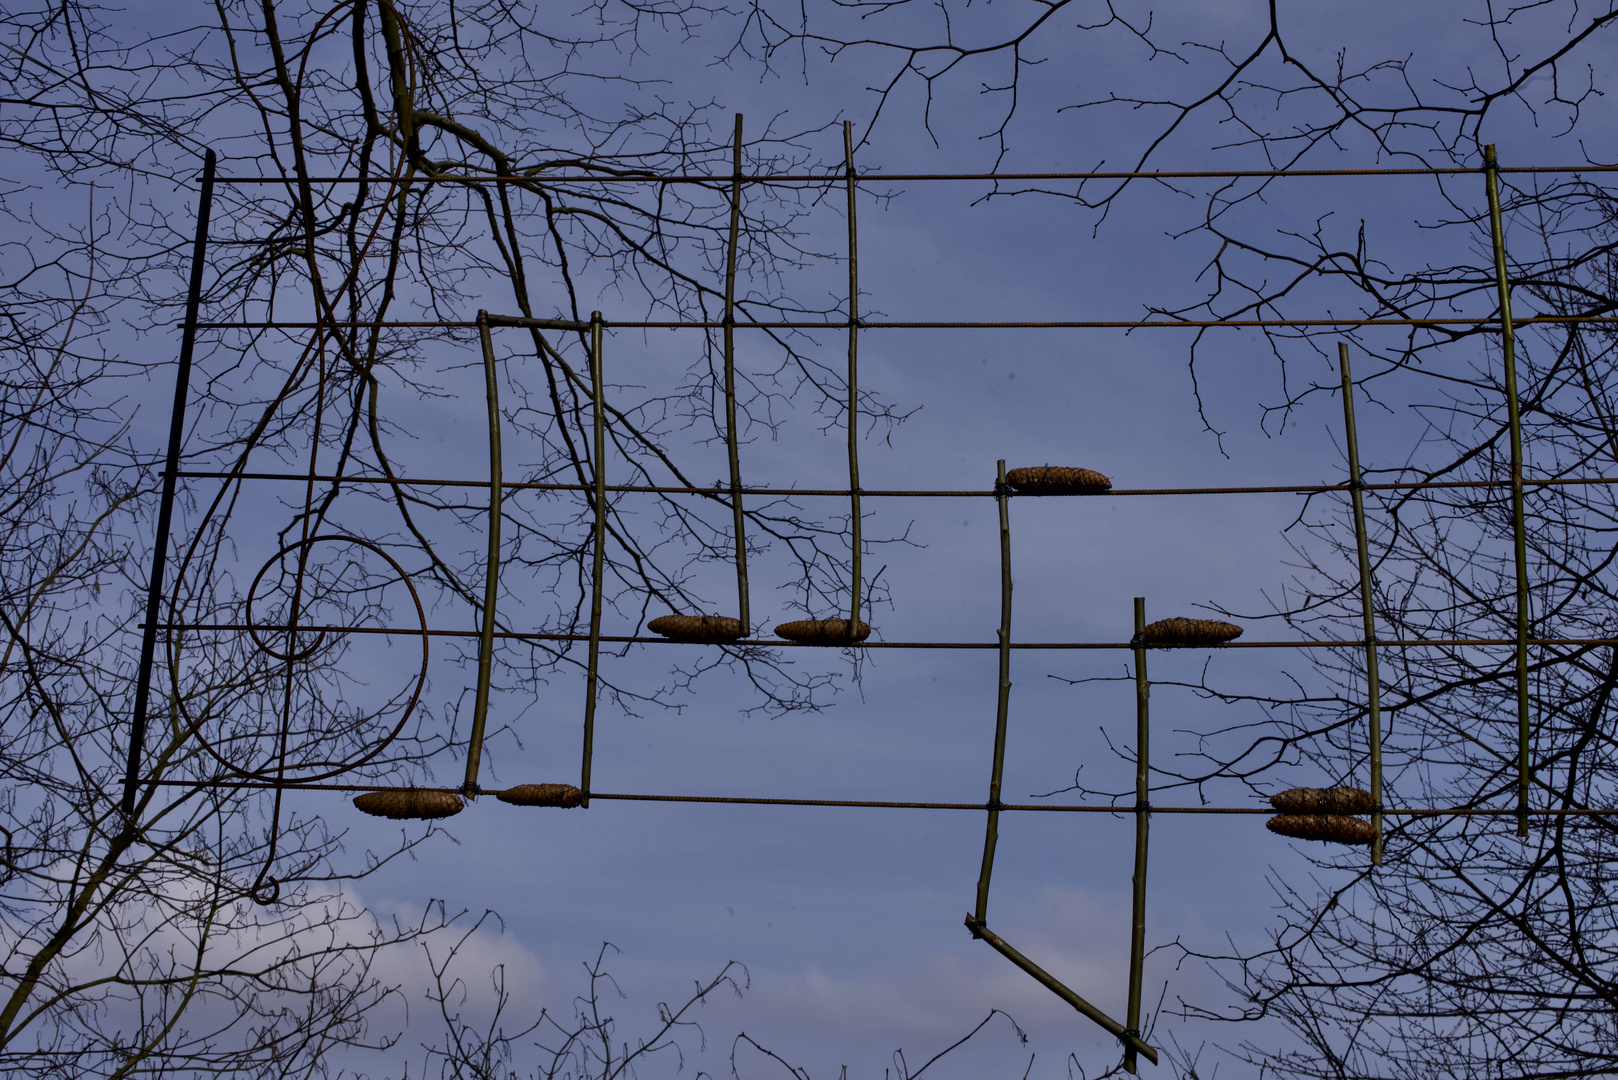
165	510
593	664
870	804
712	493
856	581
491	575
1508	349
1132	1041
815	178
1062	324
739	518
1143	824
991	834
1373	683
774	643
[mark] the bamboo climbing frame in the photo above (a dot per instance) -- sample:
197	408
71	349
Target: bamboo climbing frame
596	491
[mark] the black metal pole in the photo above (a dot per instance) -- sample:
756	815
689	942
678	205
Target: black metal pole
165	511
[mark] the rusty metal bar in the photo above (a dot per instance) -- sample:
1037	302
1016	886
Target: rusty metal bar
712	493
525	635
831	178
821	324
872	804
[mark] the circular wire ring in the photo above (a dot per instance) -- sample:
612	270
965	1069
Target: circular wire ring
252	628
346	766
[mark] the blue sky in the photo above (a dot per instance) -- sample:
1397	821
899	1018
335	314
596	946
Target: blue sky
850	920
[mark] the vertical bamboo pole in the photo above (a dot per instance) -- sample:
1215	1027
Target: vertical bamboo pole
743	612
992	833
593	665
857	581
1143	824
1373	682
165	506
1508	349
491	576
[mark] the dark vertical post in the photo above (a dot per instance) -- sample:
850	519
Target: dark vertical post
1508	349
165	510
1143	824
992	834
593	666
1373	683
855	575
491	576
743	613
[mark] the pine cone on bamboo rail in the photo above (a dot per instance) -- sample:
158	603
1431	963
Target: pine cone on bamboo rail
1332	828
1058	480
1189	632
564	795
824	631
1332	800
409	803
701	629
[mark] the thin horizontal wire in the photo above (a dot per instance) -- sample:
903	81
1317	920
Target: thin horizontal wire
1071	324
523	635
884	804
839	177
720	493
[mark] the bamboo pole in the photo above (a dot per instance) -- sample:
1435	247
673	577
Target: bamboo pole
743	612
992	831
1373	683
165	506
593	665
1508	349
855	578
1143	824
491	575
1132	1042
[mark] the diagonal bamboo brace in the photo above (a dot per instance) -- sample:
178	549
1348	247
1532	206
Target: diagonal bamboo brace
1055	986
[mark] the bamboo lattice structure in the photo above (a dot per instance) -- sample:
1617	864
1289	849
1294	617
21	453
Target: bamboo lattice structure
597	491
